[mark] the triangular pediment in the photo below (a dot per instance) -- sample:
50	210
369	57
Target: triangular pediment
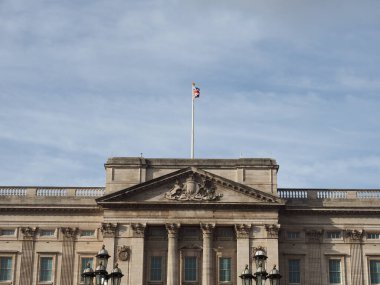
188	186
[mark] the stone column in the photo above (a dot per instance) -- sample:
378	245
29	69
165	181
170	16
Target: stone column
272	245
68	255
137	256
27	261
207	264
172	265
109	234
242	248
356	252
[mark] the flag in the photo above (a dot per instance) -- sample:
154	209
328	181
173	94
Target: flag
196	91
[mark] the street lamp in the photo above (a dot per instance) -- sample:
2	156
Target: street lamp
261	274
101	275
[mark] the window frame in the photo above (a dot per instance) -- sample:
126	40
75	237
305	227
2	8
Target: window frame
80	271
220	269
289	272
375	258
331	271
377	234
11	255
53	268
330	235
150	268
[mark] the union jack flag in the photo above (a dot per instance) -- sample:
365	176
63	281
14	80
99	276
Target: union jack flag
196	91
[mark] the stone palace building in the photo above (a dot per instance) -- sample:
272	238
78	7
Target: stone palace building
189	222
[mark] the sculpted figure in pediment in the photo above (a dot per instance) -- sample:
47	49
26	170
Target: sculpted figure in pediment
193	190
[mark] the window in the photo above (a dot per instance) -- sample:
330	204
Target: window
7	232
46	269
224	233
373	236
374	268
84	262
47	233
225	269
87	233
5	268
334	235
156	268
190	268
334	271
293	235
294	271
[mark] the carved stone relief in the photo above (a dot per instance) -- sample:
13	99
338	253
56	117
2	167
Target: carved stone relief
123	253
194	188
172	229
69	233
207	229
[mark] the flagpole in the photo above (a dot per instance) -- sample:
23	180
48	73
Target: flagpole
192	127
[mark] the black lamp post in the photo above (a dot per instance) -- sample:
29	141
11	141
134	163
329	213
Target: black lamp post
261	274
101	275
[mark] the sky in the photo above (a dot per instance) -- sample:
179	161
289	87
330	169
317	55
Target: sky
297	81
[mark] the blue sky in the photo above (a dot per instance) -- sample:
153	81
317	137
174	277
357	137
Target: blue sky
297	81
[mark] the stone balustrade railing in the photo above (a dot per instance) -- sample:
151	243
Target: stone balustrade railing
52	191
328	193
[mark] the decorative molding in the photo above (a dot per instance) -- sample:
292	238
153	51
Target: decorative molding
207	229
69	233
355	235
28	232
138	230
109	230
123	253
172	229
314	235
242	230
272	230
194	188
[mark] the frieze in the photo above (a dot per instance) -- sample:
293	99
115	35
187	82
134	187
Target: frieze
242	230
194	188
69	233
272	230
123	253
356	235
314	235
109	229
138	230
29	232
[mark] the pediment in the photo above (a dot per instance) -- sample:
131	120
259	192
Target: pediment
188	186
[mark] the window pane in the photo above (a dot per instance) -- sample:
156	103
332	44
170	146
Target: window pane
294	271
87	233
5	268
224	269
373	236
375	271
46	267
47	233
190	268
84	261
334	235
334	270
293	235
156	268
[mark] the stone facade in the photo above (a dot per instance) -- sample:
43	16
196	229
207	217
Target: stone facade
182	221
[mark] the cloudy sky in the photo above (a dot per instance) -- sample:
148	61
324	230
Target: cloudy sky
298	81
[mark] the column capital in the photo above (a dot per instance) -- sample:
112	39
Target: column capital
354	235
28	232
172	229
207	229
108	230
138	230
272	230
242	230
69	233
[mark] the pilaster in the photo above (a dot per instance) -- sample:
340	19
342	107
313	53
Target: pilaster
355	237
137	256
109	232
68	255
242	247
314	253
26	268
